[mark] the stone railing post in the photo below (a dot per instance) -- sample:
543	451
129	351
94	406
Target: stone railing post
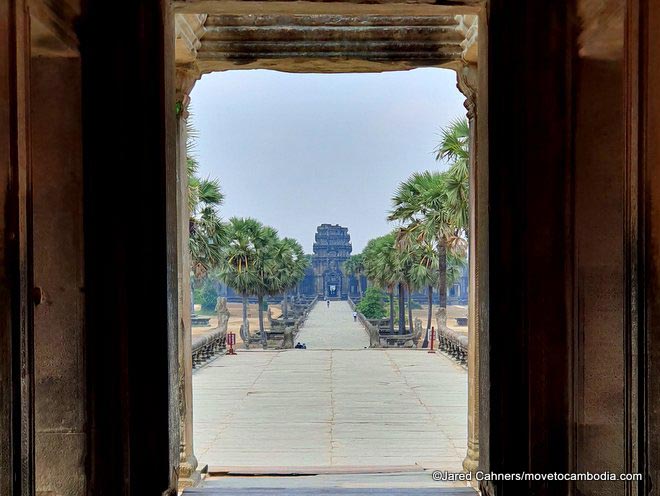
467	84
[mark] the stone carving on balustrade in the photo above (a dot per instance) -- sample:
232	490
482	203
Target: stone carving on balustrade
417	333
287	342
223	315
440	318
374	337
245	334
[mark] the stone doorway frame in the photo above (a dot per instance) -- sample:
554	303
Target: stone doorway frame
471	71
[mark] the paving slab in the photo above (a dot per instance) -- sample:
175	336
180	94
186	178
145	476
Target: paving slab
336	404
333	328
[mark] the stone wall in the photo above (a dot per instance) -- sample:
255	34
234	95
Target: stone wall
60	406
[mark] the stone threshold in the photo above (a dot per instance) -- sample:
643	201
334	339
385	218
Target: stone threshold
313	470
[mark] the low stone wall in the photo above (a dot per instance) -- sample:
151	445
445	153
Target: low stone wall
207	347
453	344
369	328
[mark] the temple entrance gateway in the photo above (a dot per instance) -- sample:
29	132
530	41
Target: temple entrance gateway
367	39
332	247
332	290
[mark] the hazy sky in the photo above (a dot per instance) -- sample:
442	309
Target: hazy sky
299	150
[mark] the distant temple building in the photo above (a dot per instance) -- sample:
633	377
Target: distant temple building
326	277
458	293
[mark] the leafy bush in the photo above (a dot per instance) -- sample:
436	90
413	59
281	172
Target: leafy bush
372	306
206	295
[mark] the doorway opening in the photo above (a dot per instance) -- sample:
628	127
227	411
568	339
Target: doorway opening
322	160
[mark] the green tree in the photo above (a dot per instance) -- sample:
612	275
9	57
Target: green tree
456	262
381	266
354	266
301	263
371	306
240	268
291	264
269	275
424	273
418	263
420	204
207	233
257	262
454	148
206	294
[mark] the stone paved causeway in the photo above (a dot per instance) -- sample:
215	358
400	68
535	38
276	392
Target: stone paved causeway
333	328
326	407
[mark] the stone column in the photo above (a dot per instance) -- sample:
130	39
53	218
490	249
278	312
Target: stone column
189	29
467	84
188	473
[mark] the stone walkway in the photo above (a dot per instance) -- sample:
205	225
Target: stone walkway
326	407
333	328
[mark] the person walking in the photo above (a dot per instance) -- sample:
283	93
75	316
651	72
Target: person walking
328	303
354	316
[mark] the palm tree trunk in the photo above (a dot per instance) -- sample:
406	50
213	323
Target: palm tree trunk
262	331
410	315
359	279
391	295
285	310
442	284
246	333
429	321
402	308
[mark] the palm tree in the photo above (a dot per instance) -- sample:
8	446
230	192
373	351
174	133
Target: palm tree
354	266
456	262
257	262
424	273
292	264
206	230
421	205
419	264
301	264
381	267
240	262
308	263
270	281
454	148
207	233
405	263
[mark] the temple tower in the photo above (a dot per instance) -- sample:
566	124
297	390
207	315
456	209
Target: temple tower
332	247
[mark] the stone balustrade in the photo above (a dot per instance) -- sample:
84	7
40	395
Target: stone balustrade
453	344
206	347
371	330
